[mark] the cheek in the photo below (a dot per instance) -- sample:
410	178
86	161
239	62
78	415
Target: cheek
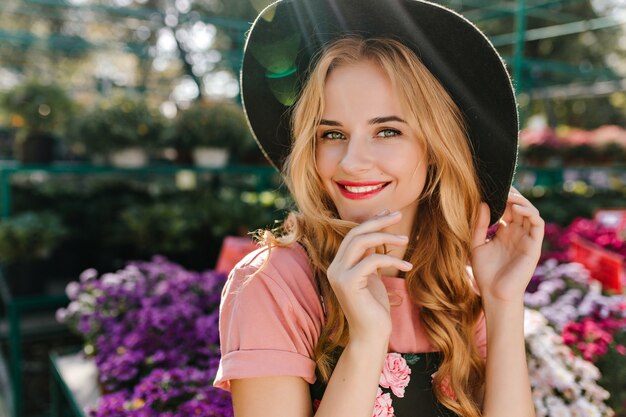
326	162
402	160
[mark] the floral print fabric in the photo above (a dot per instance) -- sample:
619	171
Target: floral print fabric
405	386
395	374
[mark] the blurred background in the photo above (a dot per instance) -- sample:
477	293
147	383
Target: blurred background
122	139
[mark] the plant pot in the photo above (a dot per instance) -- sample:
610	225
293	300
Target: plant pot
210	157
134	157
35	148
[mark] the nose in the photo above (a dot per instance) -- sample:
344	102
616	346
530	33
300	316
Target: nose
358	155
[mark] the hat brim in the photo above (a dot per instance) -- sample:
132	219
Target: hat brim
288	34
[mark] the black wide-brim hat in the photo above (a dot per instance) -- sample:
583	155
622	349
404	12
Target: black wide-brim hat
287	35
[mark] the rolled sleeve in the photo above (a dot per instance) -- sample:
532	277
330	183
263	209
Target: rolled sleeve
270	321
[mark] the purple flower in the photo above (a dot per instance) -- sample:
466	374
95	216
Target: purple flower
111	405
87	275
154	329
207	328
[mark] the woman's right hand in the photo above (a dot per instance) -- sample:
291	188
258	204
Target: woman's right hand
354	278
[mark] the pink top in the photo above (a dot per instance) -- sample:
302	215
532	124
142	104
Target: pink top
269	324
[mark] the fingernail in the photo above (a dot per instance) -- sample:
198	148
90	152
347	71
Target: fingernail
407	264
382	213
402	237
395	213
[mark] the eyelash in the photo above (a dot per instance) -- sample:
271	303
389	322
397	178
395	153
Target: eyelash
325	134
395	132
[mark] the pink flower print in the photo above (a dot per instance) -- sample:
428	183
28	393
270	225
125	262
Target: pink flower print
445	387
316	405
382	406
395	375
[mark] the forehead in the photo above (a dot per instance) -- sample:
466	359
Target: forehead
362	87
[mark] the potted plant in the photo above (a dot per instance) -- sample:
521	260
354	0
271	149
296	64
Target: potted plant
209	133
37	111
122	131
26	244
167	228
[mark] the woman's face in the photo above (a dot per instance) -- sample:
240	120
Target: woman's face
367	156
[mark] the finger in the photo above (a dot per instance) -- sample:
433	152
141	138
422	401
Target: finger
374	224
516	197
361	244
370	264
521	217
482	224
518	214
531	216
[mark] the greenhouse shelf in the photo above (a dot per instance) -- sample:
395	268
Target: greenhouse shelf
264	174
17	307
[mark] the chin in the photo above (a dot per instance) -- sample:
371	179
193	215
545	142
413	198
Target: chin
358	216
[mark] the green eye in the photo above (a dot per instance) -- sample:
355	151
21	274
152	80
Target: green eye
387	133
333	135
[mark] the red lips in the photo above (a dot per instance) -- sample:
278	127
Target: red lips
360	190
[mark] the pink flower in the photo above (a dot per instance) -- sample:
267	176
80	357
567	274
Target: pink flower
382	406
445	387
569	338
621	349
395	374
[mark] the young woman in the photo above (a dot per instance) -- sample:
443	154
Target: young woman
395	125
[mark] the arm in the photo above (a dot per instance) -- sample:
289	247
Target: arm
507	390
503	267
350	392
280	396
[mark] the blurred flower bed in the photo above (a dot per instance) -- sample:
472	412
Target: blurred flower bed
152	330
589	322
544	146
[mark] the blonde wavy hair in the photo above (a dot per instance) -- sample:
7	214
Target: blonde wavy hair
440	240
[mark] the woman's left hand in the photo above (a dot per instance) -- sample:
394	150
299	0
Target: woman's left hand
504	265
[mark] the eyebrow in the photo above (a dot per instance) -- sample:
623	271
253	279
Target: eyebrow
374	121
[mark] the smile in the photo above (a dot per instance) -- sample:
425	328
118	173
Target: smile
359	191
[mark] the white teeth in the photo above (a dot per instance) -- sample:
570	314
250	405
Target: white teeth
358	190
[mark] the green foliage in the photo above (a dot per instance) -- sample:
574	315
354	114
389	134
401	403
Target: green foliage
115	124
30	235
239	212
37	107
187	223
163	227
211	124
114	219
